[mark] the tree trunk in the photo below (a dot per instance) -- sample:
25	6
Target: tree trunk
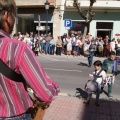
84	36
88	18
85	30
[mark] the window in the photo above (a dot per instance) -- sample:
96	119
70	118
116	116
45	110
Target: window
104	25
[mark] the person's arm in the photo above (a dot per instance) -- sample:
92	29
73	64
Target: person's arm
67	40
103	76
95	48
44	88
104	66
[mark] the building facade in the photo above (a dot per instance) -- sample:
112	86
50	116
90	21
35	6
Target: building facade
29	12
106	20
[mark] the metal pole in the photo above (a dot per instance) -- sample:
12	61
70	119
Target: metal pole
46	22
39	26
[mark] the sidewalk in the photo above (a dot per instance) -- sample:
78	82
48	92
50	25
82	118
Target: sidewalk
72	108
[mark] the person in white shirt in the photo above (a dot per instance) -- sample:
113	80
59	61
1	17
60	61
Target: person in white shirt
118	48
98	77
112	45
69	46
73	41
78	44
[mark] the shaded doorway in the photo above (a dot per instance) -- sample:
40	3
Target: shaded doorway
25	23
104	33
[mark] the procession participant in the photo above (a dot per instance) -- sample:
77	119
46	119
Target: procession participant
94	85
92	50
108	66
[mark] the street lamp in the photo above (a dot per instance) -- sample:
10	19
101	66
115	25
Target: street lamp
47	4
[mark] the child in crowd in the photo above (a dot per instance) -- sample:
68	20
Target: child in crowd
98	77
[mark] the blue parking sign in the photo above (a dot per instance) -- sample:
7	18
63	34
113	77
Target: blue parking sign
68	23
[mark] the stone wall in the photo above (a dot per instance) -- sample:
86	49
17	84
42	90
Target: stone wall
56	20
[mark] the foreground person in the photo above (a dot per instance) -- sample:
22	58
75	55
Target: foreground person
95	85
14	100
110	69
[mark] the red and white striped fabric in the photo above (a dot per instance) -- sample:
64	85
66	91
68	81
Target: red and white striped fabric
14	100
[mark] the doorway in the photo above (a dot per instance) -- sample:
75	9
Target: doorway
104	33
25	23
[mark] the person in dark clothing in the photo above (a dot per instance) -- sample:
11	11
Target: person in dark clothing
92	50
108	67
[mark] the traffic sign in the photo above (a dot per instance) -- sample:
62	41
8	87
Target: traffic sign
68	23
42	28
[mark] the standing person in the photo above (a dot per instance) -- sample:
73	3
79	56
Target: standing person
43	44
69	46
48	38
86	46
59	46
52	46
92	50
31	37
77	46
96	43
80	44
73	41
64	44
108	67
100	47
112	45
118	48
40	39
98	77
14	99
106	48
36	49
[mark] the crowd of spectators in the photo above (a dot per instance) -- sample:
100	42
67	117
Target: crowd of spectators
68	44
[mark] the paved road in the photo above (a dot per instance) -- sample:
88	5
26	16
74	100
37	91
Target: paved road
70	74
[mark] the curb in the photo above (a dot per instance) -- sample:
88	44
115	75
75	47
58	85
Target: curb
63	94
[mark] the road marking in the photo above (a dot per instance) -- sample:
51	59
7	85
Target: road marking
52	59
57	59
62	60
63	70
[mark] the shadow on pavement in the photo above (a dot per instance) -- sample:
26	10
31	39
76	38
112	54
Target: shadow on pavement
80	93
109	109
83	64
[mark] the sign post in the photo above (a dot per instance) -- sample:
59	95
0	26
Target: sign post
39	25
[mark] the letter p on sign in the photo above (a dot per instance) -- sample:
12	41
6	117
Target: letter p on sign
67	23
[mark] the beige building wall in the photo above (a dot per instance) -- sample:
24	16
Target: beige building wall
57	19
56	24
35	3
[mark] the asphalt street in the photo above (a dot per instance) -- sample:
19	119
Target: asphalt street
72	73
